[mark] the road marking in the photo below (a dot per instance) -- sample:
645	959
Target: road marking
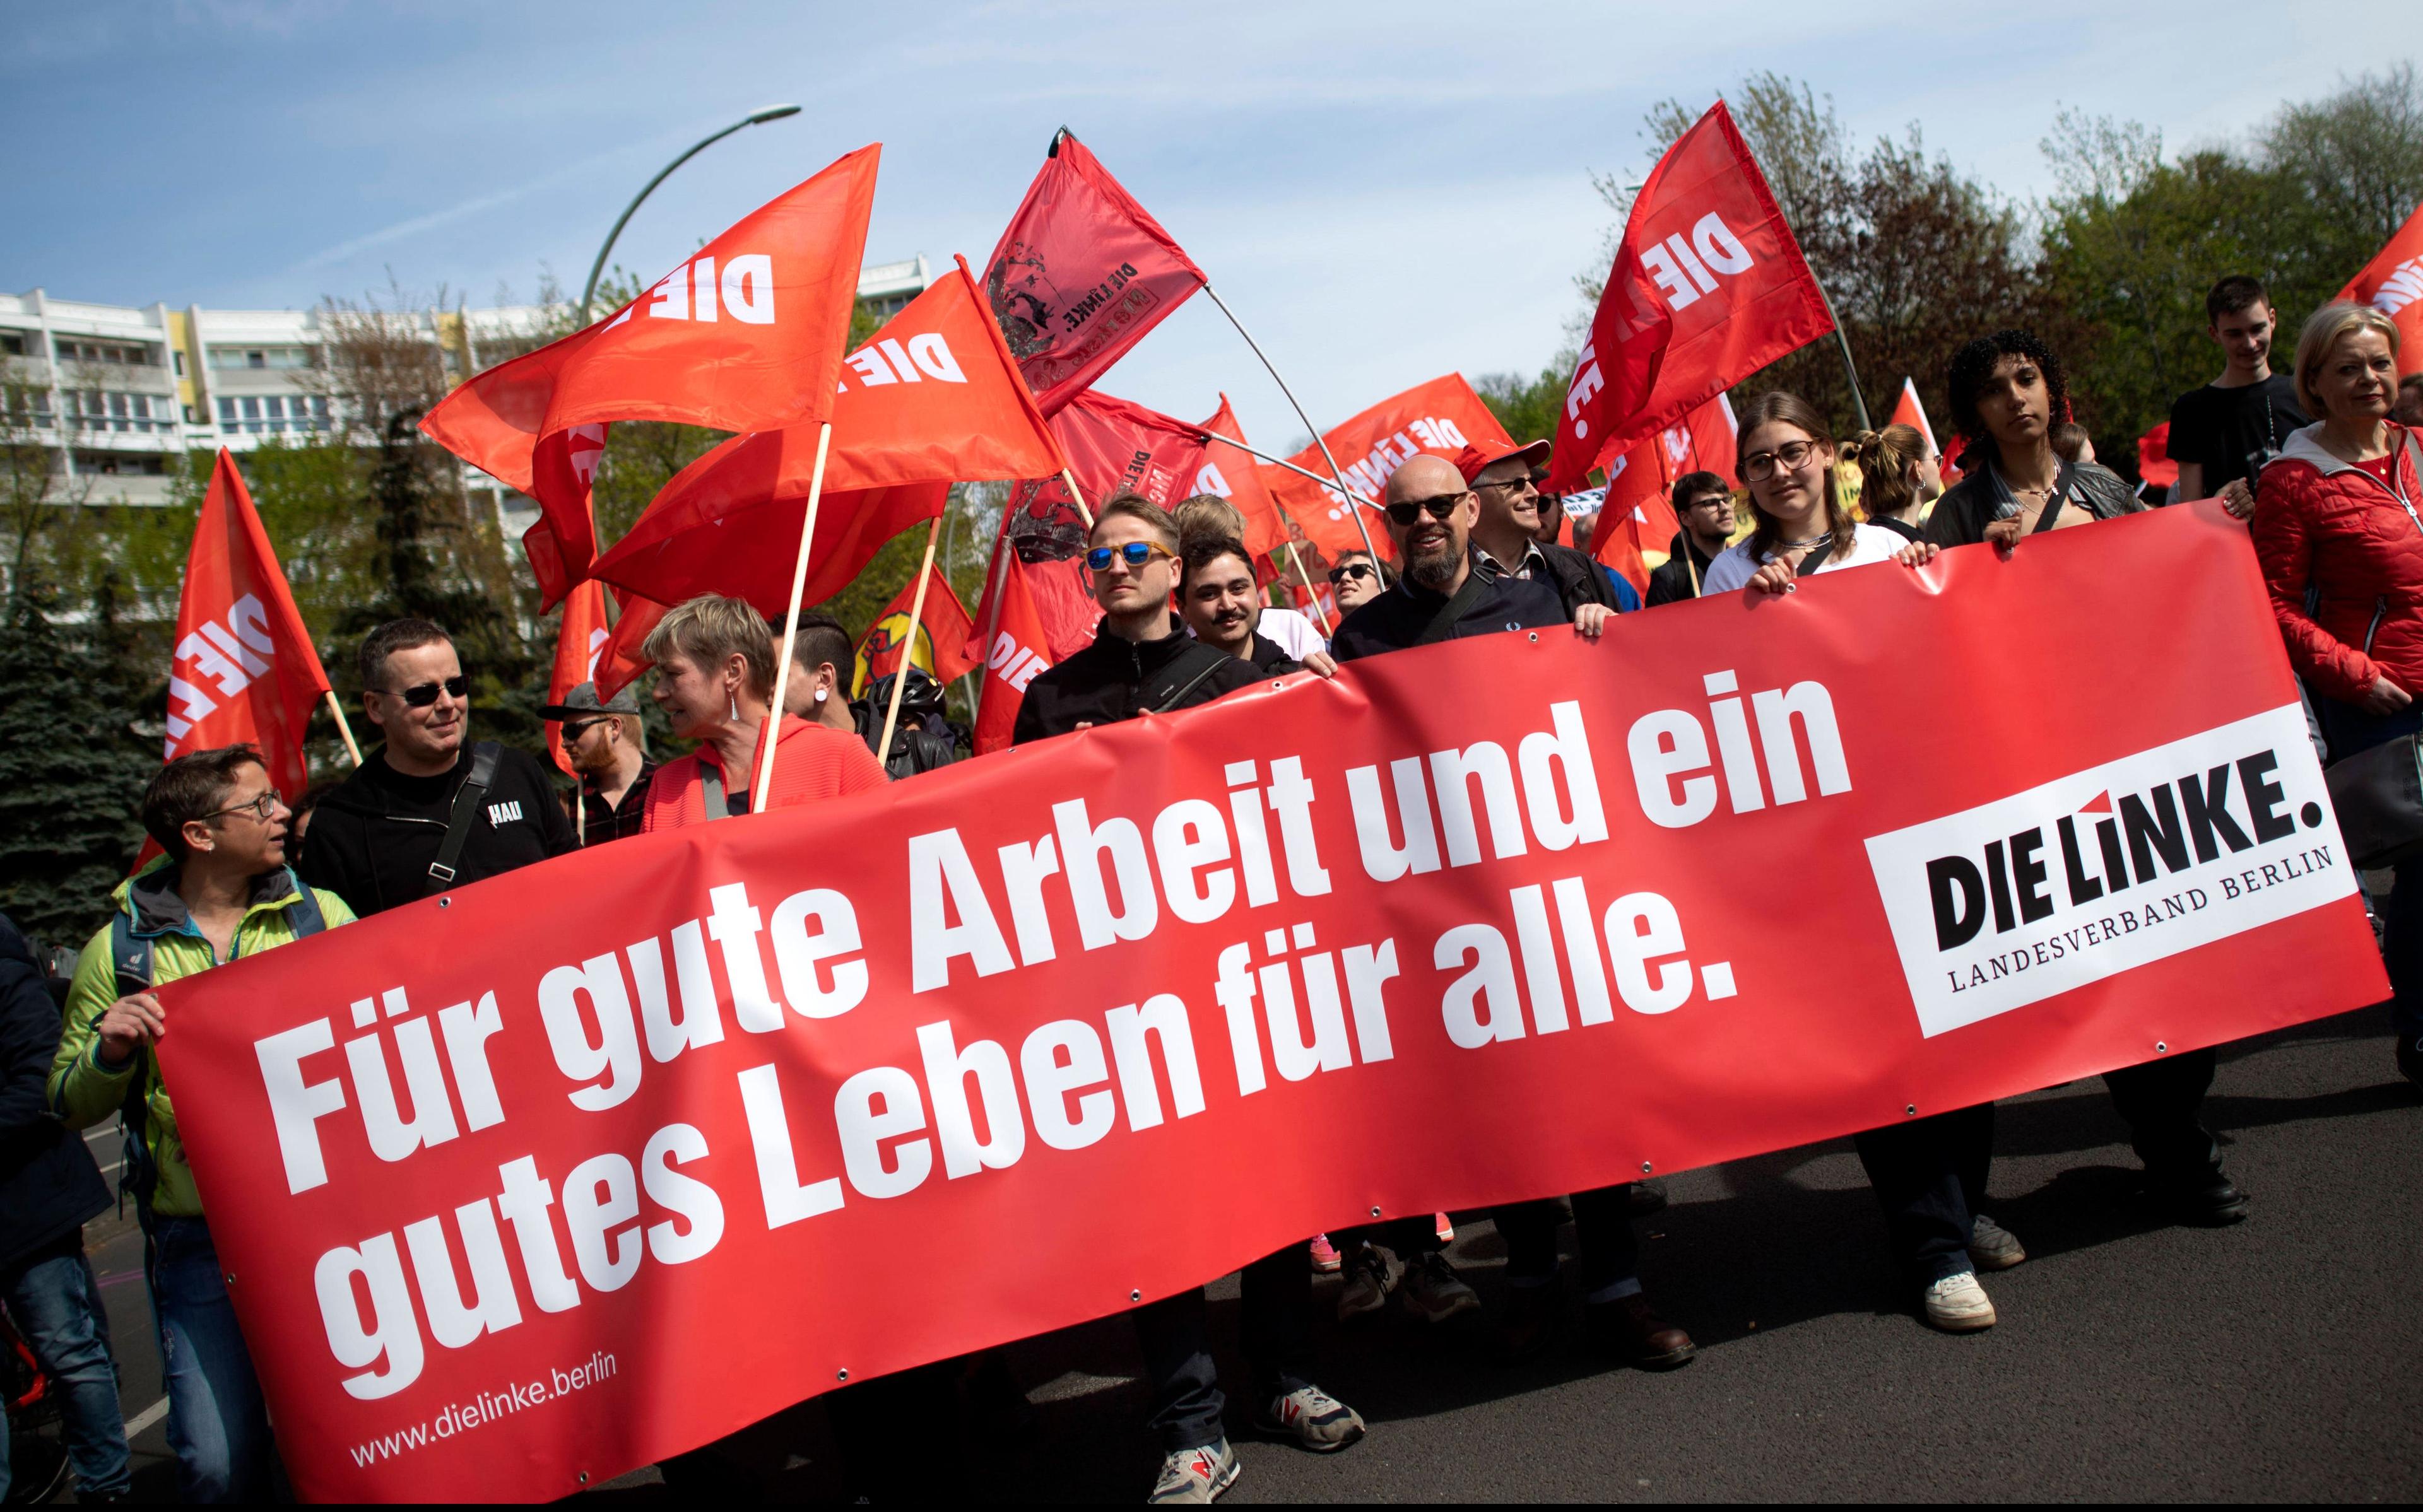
144	1419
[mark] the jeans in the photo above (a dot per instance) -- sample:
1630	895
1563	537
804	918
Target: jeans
218	1423
1929	1175
1276	1310
1611	1252
56	1304
2350	730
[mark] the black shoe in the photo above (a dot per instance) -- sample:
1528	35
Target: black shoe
1529	1321
1648	1197
2410	1060
2207	1200
1627	1329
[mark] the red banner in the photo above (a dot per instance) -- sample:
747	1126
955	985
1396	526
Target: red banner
2154	463
2392	283
242	667
745	335
1707	287
619	660
1724	881
1081	274
938	644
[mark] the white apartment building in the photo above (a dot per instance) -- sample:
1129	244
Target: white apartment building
121	391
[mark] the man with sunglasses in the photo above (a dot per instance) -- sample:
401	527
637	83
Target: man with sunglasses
1357	579
1506	540
430	808
601	738
1440	594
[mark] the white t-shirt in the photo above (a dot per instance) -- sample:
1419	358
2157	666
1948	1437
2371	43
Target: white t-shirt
1735	567
1292	631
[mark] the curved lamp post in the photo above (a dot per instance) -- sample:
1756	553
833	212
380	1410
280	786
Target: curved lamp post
753	118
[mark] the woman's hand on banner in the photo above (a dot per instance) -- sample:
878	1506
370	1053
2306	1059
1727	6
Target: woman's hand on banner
1918	552
1774	577
1590	619
131	1023
2005	534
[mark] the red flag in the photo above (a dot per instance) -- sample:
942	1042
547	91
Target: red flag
939	643
242	666
745	335
2392	283
1081	274
1115	445
578	641
619	662
2154	463
1234	475
1707	287
1019	651
1441	416
1908	411
1637	525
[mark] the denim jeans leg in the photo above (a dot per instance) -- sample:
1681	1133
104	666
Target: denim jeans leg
1914	1169
57	1304
1610	1251
1179	1371
217	1421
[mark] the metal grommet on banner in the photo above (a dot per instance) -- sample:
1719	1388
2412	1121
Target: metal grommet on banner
2160	1048
582	1478
841	1375
1375	1212
1910	1111
1535	638
443	902
231	1278
1135	1296
1644	1168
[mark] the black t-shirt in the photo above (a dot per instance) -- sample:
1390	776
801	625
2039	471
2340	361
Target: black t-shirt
1908	533
2231	432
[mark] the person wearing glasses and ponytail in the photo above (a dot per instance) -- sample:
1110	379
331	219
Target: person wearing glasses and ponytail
431	809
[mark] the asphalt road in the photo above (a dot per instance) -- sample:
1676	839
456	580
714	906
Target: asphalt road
2279	1360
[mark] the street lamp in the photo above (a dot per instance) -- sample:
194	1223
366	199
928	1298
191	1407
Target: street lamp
753	118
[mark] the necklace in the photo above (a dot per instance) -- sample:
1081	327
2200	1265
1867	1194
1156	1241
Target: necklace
1813	541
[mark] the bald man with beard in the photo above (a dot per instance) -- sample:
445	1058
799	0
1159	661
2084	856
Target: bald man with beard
1438	596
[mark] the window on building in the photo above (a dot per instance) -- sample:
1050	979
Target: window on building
178	358
12	344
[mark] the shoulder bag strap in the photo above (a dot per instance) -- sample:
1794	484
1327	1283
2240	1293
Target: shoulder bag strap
303	916
1205	659
2061	483
1442	625
467	800
710	781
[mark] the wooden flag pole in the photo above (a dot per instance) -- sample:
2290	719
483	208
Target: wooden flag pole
773	732
909	652
1295	557
1317	439
344	730
1082	513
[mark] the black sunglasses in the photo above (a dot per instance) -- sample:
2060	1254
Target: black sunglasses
1351	569
422	694
575	729
1406	511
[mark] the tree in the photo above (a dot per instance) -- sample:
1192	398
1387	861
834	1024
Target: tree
2356	160
1527	407
72	777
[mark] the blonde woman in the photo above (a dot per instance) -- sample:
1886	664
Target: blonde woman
715	680
1899	476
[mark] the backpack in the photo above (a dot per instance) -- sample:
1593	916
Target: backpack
130	954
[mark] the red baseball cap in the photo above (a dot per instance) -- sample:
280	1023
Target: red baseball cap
1471	459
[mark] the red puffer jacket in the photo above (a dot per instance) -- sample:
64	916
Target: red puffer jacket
2327	524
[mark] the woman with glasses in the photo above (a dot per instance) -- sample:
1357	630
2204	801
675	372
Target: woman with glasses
715	680
1801	526
2008	391
1357	579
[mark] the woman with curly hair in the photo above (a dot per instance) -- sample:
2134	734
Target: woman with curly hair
2008	391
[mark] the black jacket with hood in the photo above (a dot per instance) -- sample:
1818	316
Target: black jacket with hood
372	841
1114	679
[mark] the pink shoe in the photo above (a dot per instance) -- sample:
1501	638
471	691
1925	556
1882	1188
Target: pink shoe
1446	1229
1324	1256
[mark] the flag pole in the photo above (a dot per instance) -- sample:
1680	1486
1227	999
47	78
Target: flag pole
1000	579
909	654
1859	401
343	729
1317	439
1296	559
791	624
1282	462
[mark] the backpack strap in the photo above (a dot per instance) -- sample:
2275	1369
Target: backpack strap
468	798
303	916
710	783
130	956
1442	625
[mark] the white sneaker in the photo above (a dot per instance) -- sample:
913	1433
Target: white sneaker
1309	1418
1195	1477
1992	1246
1372	1272
1956	1304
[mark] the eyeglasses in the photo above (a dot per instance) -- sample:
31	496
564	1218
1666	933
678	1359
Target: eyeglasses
1353	570
260	808
1404	512
1135	554
422	694
1760	465
575	729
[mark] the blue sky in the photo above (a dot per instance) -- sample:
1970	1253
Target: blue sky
1384	192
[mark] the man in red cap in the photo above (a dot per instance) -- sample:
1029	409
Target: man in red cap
1506	539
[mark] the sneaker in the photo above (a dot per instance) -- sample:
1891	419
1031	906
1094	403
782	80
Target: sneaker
2410	1060
1627	1329
1992	1246
1372	1272
1445	1230
1529	1321
1956	1304
1309	1418
1196	1475
1325	1259
1433	1292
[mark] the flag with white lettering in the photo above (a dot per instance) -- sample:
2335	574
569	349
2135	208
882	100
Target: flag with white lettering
1081	274
242	667
1707	287
2392	283
1441	418
746	334
1017	653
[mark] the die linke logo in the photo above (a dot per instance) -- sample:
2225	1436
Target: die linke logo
2105	870
891	360
1685	269
742	289
2404	287
1430	434
229	657
1014	663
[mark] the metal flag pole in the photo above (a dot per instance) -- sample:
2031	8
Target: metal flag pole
1858	402
791	624
343	729
1340	477
908	653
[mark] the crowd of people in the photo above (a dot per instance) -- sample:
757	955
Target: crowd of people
2323	460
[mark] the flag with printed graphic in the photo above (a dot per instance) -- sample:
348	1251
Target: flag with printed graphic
937	643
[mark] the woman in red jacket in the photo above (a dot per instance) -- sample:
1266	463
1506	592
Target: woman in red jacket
2339	524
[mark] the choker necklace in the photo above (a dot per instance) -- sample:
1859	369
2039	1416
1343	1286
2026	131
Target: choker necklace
1813	541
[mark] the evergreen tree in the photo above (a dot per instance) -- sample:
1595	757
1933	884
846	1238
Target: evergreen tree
72	780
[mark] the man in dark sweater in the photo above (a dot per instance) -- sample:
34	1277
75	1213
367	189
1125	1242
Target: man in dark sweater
1705	508
379	840
1439	596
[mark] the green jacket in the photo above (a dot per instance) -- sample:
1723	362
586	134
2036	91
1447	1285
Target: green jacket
83	1089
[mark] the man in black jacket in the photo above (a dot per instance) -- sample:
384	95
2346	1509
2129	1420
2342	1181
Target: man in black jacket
1705	508
1506	540
416	818
49	1188
1437	595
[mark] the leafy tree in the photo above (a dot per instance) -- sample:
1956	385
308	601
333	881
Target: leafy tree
1527	407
